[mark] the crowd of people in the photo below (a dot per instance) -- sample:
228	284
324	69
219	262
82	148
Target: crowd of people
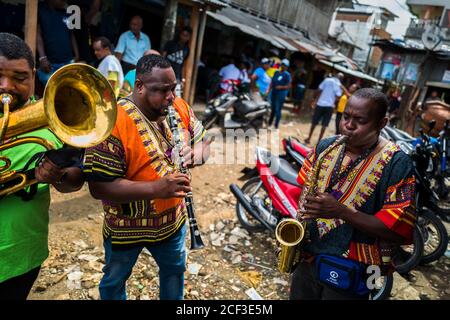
57	46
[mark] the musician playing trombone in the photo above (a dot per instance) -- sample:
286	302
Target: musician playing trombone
358	197
132	172
24	214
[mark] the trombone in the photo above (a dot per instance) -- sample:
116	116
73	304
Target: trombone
79	107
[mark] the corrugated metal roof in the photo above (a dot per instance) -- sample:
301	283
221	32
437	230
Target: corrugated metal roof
278	35
216	3
351	72
252	30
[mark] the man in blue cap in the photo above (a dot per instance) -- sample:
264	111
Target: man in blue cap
281	82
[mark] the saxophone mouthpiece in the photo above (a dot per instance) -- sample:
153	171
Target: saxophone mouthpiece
343	138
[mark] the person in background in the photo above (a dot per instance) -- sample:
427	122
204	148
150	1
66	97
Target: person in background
275	62
329	90
343	102
109	66
244	66
177	51
260	79
395	99
434	96
130	77
56	44
298	87
90	10
229	73
280	85
132	44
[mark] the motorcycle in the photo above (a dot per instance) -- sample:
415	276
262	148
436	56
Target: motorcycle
422	151
234	108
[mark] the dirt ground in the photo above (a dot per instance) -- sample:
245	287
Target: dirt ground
231	263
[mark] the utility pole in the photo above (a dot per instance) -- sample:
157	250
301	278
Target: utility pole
170	20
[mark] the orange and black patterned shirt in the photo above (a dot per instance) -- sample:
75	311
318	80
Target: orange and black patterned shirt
140	151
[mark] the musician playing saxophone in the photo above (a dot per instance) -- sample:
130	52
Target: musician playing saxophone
24	215
359	202
142	192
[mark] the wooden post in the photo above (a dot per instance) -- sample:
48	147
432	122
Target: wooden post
170	19
191	58
198	52
31	15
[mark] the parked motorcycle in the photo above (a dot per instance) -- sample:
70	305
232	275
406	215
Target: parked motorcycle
423	151
235	109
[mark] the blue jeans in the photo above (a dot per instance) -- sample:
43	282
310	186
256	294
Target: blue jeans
170	256
43	77
277	101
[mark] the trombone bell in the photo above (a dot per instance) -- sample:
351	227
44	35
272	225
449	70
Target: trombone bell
78	105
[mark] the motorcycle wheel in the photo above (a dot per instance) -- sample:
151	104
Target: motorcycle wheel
245	218
385	283
435	236
409	256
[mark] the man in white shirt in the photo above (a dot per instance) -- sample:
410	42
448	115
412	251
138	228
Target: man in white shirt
109	66
229	72
132	44
329	90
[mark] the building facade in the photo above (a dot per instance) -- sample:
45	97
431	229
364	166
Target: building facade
433	17
361	25
311	16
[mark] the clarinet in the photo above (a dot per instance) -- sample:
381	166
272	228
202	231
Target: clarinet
196	240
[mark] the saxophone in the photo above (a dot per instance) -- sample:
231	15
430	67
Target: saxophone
290	232
196	240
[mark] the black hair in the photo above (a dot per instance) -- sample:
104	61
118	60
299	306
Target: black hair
136	16
104	42
377	97
14	48
148	62
187	29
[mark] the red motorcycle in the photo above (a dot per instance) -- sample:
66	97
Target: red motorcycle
295	151
271	193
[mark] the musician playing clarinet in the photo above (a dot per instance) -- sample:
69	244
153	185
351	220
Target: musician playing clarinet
141	188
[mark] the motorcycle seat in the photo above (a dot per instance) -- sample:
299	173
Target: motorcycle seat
299	147
245	107
285	172
398	135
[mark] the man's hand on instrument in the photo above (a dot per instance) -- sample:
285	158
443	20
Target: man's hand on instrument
189	159
48	172
175	185
323	205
